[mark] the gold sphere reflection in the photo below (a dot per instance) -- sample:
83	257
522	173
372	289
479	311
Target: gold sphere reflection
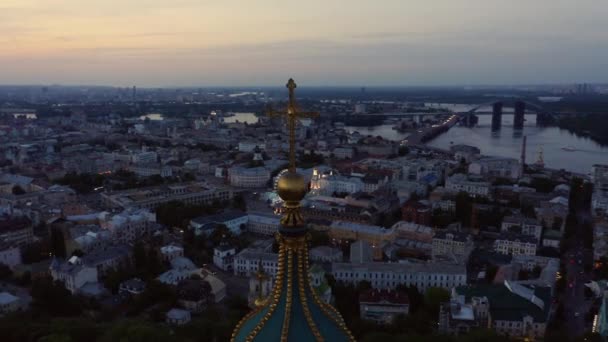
292	187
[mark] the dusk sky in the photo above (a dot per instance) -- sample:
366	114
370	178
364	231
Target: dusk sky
318	42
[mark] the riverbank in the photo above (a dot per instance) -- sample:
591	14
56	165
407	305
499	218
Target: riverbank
426	134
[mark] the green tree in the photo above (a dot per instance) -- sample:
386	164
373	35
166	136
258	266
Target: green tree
433	298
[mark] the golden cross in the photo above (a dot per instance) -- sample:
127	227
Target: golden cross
292	116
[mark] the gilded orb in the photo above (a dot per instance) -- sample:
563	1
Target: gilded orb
292	187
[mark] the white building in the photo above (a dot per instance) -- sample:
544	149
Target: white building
130	225
496	167
264	224
248	260
515	244
73	274
329	183
384	275
223	257
246	177
461	183
171	252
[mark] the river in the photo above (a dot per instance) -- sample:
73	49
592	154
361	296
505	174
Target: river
507	143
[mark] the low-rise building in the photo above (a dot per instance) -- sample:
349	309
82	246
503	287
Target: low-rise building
383	306
178	317
235	221
457	317
132	287
171	252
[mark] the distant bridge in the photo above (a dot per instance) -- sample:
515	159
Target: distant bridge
542	116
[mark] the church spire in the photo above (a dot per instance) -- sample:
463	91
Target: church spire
293	312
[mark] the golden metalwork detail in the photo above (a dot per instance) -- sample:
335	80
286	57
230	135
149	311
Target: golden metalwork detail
288	297
302	277
329	310
292	188
276	297
293	115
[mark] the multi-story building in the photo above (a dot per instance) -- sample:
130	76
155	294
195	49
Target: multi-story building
73	274
472	186
523	225
150	198
247	262
329	183
414	211
107	259
383	306
452	243
383	275
599	177
129	225
223	257
515	244
249	177
326	254
264	224
16	230
495	167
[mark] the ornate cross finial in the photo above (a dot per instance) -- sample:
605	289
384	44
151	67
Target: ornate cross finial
292	116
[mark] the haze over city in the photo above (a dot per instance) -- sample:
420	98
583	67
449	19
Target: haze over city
320	170
233	43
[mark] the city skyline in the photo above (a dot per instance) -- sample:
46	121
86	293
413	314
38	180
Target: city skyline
400	43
